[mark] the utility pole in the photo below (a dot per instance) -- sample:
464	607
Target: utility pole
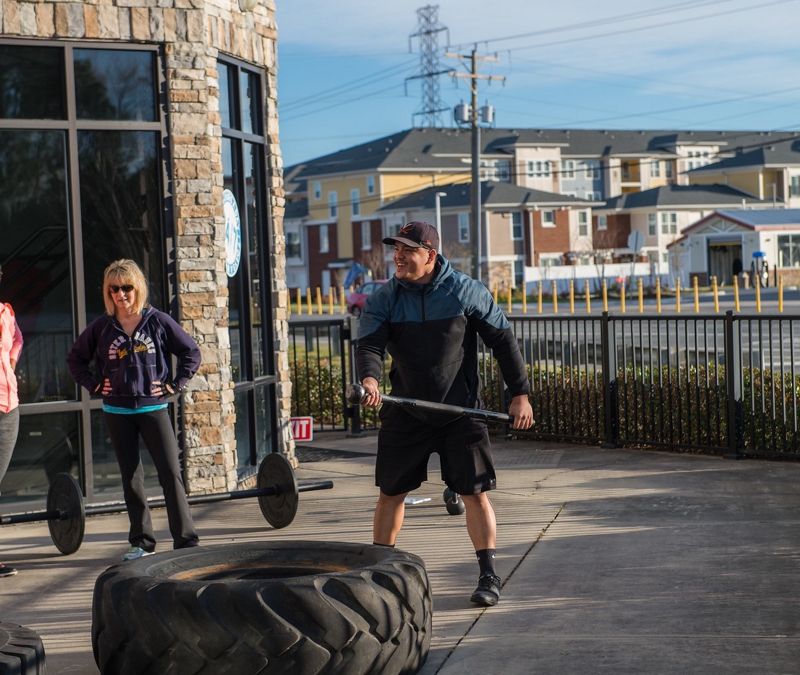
475	116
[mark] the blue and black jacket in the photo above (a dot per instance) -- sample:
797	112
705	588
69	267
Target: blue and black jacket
431	333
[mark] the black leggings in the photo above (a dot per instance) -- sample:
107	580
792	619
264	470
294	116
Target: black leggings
156	432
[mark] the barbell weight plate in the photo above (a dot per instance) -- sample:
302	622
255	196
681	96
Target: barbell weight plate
65	495
279	508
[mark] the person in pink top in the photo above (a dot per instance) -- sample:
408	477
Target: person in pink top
10	347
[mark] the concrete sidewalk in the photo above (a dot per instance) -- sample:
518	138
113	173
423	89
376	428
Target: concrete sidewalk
616	561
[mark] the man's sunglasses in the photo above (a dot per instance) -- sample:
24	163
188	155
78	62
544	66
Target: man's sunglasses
126	288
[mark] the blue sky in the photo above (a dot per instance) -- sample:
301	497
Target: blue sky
705	64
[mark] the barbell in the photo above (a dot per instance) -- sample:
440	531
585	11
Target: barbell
277	492
355	393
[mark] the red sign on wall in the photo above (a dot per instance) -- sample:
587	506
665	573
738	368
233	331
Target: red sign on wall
302	428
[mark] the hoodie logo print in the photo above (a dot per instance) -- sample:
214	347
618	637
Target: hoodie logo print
118	349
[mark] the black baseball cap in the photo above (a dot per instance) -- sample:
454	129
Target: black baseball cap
416	234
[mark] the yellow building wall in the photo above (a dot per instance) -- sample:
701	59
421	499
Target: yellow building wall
746	182
392	185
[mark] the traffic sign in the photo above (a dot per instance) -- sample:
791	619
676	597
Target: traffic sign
302	428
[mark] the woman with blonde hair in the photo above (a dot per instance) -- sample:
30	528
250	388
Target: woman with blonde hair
131	346
10	348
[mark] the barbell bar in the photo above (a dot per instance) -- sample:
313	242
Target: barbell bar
277	492
355	394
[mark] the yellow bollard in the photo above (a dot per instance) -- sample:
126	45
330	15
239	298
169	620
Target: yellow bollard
309	306
736	294
299	301
696	289
524	298
508	300
539	298
758	297
588	297
330	300
494	293
641	297
343	299
571	296
622	297
555	297
658	295
319	300
780	294
678	296
715	291
605	295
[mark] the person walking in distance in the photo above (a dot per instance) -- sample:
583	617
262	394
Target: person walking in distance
428	317
131	347
10	348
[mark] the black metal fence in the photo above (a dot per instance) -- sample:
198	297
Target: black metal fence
727	384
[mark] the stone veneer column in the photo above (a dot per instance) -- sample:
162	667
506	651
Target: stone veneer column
193	33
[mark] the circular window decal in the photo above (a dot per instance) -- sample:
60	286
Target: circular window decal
233	233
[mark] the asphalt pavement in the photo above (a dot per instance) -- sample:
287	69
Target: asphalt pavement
614	561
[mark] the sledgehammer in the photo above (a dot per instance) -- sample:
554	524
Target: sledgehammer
355	393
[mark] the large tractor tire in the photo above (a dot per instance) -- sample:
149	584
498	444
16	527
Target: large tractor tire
21	651
265	607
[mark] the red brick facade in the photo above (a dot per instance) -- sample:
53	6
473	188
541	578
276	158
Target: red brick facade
318	261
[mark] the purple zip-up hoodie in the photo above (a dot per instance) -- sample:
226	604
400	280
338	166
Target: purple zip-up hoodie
132	364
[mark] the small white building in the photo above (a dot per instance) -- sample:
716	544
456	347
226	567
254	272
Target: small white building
725	243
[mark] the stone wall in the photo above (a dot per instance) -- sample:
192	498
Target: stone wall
193	33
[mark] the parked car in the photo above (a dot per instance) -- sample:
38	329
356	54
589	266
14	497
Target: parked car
358	298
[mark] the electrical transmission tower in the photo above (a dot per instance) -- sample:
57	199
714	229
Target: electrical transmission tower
428	29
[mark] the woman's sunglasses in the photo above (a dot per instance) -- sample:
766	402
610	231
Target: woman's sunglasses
126	288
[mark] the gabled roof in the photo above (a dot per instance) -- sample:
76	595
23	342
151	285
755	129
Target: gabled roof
449	148
749	219
777	154
493	195
708	196
760	218
297	208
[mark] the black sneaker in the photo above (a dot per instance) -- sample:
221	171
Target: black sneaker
6	571
487	593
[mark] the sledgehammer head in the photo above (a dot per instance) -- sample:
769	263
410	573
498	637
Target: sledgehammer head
354	393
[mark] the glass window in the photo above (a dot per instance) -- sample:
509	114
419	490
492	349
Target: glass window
114	84
332	199
366	235
794	186
35	255
227	99
355	202
655	169
324	244
789	250
583	223
652	225
264	442
47	444
231	181
31	82
548	218
241	403
317	190
120	209
516	225
519	273
250	91
602	222
293	246
253	172
370	185
463	228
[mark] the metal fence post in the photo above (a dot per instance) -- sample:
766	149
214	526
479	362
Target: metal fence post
610	387
353	412
733	384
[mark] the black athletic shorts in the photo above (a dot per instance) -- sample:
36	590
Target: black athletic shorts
405	444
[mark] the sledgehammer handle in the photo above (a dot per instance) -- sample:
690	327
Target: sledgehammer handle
355	393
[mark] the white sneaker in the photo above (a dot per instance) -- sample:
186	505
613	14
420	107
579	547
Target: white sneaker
136	552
